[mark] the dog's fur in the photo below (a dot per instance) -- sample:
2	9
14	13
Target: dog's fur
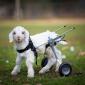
20	36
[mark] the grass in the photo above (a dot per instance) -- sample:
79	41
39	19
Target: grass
75	38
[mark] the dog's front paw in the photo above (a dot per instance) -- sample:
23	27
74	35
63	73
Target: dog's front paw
30	75
13	73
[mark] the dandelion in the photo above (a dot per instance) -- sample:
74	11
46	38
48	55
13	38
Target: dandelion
7	61
72	49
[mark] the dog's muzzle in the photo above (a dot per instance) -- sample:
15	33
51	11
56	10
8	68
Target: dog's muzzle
18	39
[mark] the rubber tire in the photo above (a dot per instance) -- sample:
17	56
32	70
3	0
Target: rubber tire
44	62
62	66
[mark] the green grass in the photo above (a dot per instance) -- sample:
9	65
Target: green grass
75	38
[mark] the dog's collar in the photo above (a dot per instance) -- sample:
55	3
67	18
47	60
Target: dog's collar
23	50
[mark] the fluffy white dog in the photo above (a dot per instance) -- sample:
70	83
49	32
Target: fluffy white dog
21	38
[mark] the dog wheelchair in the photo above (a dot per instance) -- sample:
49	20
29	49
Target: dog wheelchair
65	69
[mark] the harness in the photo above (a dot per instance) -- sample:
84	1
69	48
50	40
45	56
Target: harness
29	46
48	45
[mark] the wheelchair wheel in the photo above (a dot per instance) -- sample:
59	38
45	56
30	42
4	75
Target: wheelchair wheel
65	69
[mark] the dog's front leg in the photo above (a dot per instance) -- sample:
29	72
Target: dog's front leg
29	63
16	69
30	69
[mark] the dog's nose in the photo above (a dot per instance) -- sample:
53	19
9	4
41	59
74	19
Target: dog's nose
18	37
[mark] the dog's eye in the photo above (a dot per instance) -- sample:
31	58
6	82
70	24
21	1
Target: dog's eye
23	32
14	33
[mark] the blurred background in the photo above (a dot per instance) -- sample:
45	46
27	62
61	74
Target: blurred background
39	9
38	16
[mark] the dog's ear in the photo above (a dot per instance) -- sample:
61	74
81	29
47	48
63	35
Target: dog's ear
11	37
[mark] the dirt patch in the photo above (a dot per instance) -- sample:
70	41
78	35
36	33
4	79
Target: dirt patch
82	53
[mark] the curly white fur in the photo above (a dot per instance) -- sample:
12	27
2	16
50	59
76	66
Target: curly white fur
20	36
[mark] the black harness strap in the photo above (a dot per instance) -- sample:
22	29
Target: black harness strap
23	50
33	49
29	46
47	45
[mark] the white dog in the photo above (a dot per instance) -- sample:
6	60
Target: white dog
21	38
